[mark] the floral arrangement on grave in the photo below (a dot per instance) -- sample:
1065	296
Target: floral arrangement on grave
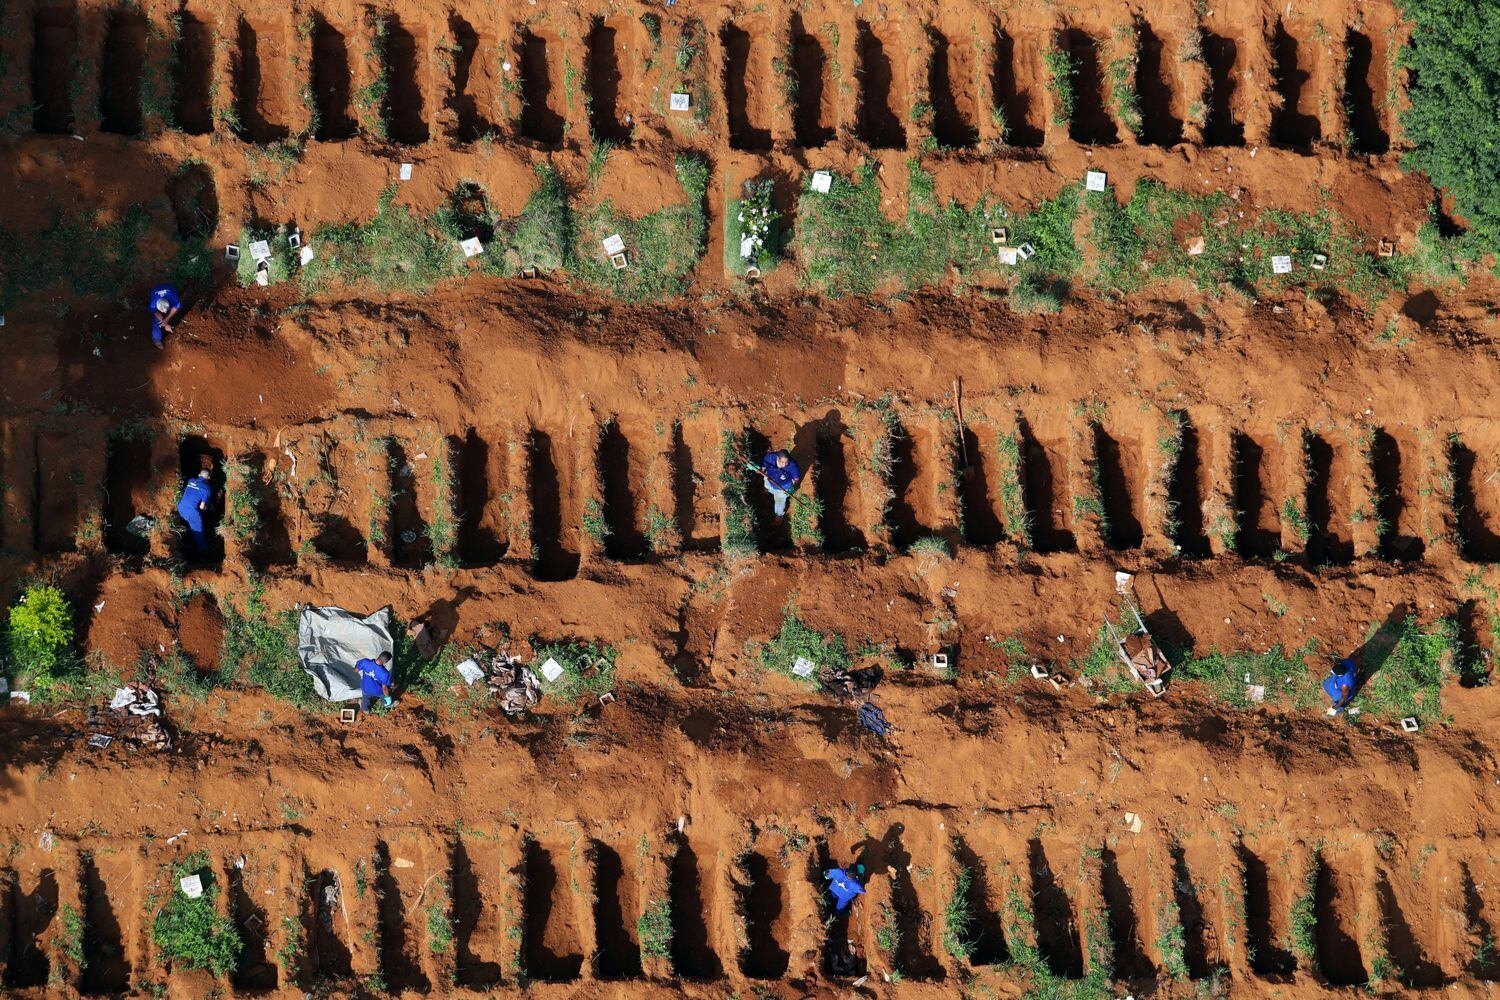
758	224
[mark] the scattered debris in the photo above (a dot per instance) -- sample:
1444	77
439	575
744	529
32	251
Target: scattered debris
100	742
1196	246
873	719
470	671
134	716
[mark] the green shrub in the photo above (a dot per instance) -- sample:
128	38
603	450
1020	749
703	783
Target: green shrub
41	638
261	646
192	931
1451	120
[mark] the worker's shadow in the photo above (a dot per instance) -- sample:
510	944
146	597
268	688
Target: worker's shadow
1371	657
878	855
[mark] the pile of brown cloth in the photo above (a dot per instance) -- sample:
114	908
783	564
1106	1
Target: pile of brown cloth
134	717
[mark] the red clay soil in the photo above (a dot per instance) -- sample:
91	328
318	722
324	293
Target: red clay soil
1336	471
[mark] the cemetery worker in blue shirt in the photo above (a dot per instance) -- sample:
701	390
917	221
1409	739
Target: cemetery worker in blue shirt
1341	685
782	476
166	303
196	496
374	681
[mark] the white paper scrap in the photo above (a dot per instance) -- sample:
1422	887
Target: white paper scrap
1094	180
192	886
551	670
804	667
470	671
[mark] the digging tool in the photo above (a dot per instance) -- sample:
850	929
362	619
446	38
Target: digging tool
958	403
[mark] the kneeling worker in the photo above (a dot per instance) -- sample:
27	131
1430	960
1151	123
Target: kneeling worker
1341	685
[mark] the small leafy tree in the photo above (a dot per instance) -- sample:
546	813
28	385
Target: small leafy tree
41	636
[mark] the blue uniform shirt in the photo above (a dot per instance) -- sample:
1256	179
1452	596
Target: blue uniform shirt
783	478
195	492
372	678
843	887
1346	674
160	294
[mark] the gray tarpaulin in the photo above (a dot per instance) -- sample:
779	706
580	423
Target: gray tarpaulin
330	640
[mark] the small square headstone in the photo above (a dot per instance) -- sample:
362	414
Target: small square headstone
1008	255
618	260
306	256
1281	264
231	252
680	102
1038	671
406	171
614	244
1025	251
192	886
803	667
472	247
998	234
295	239
1094	180
348	715
260	250
551	671
822	181
1410	724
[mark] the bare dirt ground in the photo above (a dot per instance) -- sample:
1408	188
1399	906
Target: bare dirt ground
540	407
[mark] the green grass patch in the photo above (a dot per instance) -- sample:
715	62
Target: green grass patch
1061	68
1012	497
279	267
798	639
192	931
958	916
738	519
1302	928
439	922
661	248
395	251
1027	962
1285	676
588	667
1410	666
260	646
804	515
654	929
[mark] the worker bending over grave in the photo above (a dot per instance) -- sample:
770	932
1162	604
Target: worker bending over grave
374	682
782	476
1341	685
843	886
166	303
193	507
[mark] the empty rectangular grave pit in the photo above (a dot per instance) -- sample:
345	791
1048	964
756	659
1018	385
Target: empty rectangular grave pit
29	907
816	111
53	67
1294	122
1122	487
1256	487
1091	122
409	540
1019	87
484	498
193	83
331	81
472	82
1336	908
105	892
1158	86
257	969
695	484
552	942
1125	887
406	67
986	872
328	957
397	933
762	909
979	487
331	478
608	113
271	544
55	493
1224	124
477	918
835	479
1197	895
952	86
693	897
1191	483
1396	463
918	462
1330	510
622	473
540	57
1271	887
262	82
1364	93
124	63
1054	910
617	953
1047	491
1476	498
1411	920
747	87
555	513
128	492
881	68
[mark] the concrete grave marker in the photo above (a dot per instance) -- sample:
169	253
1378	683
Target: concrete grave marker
231	252
1319	261
1281	264
822	181
192	886
803	667
1008	255
406	171
614	244
306	256
1025	251
1410	724
348	715
260	250
618	260
1094	180
471	246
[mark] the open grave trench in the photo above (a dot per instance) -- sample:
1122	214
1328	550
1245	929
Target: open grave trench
970	77
1142	487
557	904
